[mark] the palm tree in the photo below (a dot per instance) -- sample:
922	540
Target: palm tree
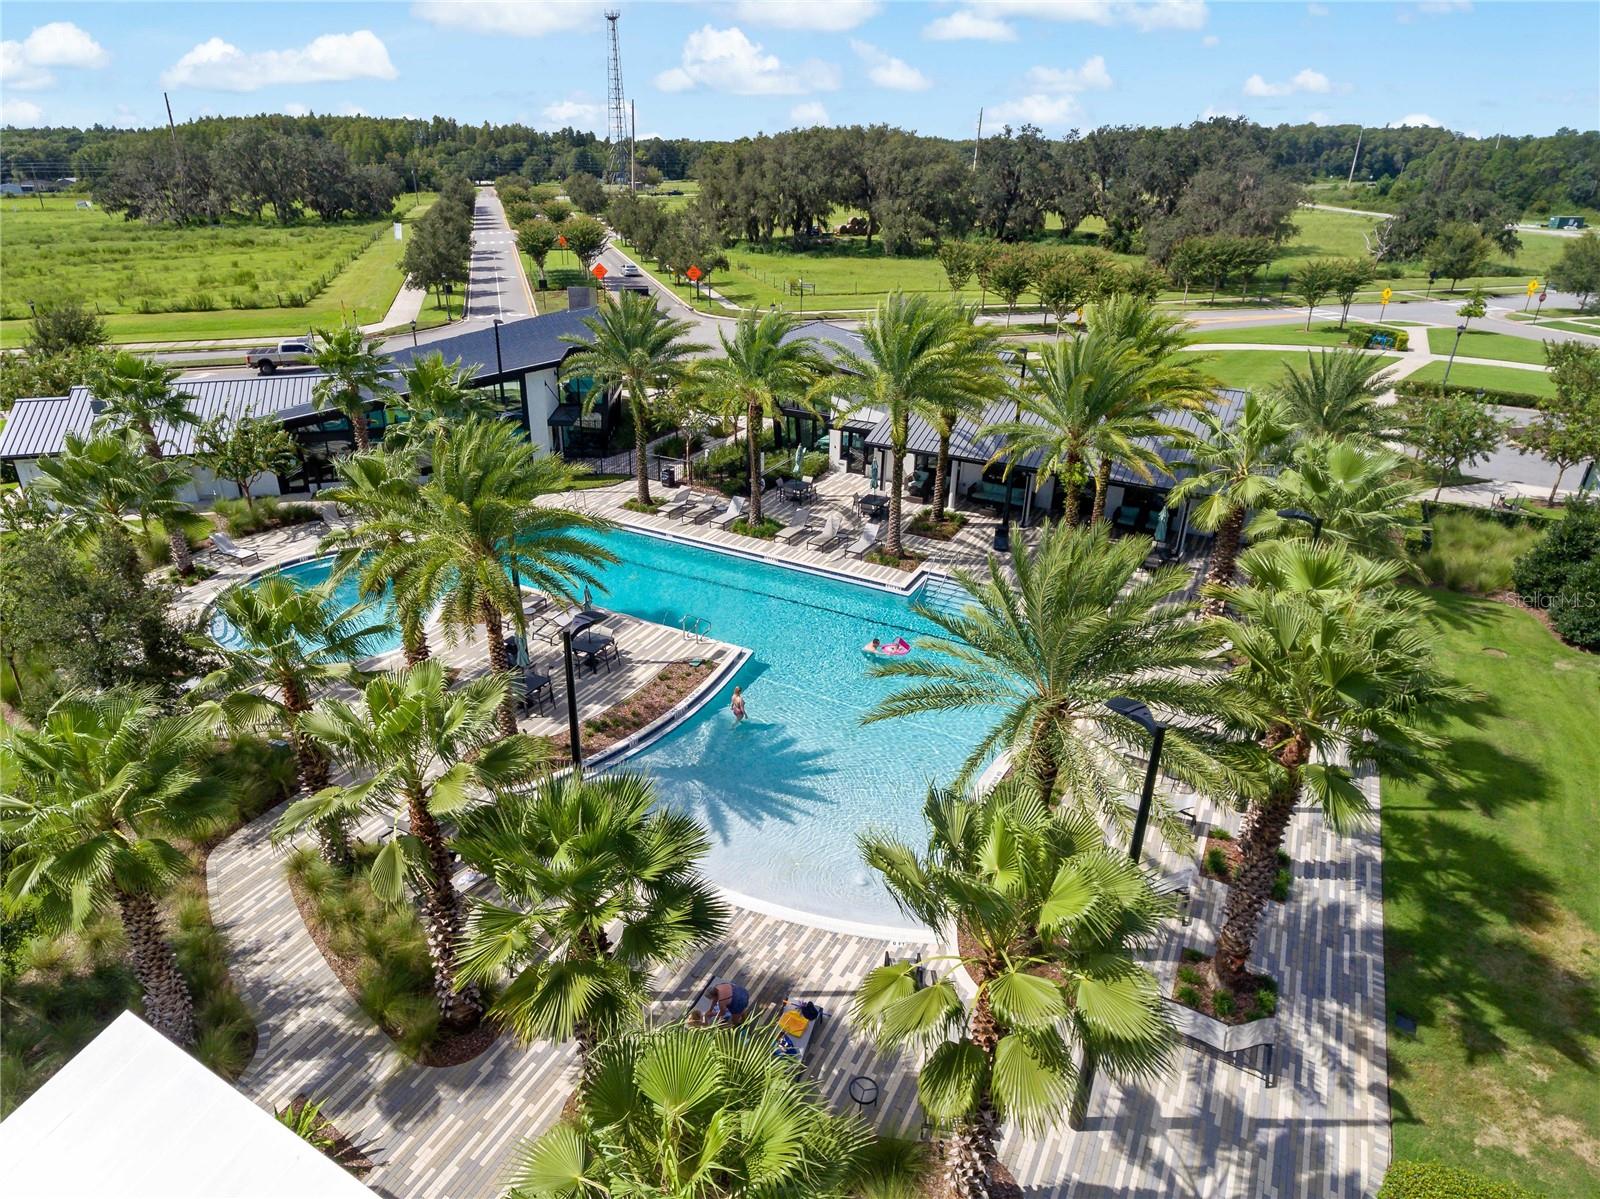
601	886
1356	493
477	529
426	753
293	641
920	357
87	804
438	395
97	482
691	1113
354	376
1336	396
1234	464
380	488
1078	628
1047	919
944	416
1333	671
635	346
758	374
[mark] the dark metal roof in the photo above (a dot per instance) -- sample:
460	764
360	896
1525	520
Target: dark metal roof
824	332
527	344
966	445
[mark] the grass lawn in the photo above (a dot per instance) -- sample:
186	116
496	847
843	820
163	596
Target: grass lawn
1275	335
163	283
1252	370
1492	913
1497	378
1479	343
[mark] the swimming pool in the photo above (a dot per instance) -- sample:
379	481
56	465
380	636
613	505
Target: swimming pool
314	573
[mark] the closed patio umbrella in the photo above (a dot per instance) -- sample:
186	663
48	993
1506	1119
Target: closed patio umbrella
872	474
1161	525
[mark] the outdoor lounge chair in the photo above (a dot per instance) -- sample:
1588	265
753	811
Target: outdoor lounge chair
681	506
800	532
225	546
870	536
788	1045
833	530
709	508
734	512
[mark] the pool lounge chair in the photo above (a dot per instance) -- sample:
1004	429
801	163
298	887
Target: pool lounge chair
793	1047
833	530
870	536
225	546
800	532
735	512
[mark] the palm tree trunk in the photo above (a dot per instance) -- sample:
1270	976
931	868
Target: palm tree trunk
441	911
413	638
897	476
1225	553
314	771
182	559
168	1005
941	475
974	1146
1102	480
752	443
1069	491
358	426
1263	837
494	628
641	450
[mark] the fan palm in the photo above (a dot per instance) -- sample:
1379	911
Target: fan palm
1333	671
1336	395
380	488
426	753
1358	494
293	641
920	357
1234	464
438	394
758	374
633	345
687	1113
1047	919
477	524
87	804
1077	628
353	376
600	887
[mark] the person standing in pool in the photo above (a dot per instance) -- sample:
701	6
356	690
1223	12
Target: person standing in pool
738	705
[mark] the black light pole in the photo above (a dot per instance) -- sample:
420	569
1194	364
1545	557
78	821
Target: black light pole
1002	532
413	335
1304	517
572	704
499	365
1460	329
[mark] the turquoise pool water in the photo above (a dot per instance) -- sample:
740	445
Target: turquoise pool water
347	592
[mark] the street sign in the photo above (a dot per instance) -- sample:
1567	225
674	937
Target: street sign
1543	296
562	241
1533	286
694	274
598	270
1387	294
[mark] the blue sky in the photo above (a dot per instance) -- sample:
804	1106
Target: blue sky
736	67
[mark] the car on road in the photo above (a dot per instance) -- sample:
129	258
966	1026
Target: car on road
632	271
297	351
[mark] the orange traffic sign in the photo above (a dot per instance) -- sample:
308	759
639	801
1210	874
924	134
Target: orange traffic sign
598	270
561	241
694	274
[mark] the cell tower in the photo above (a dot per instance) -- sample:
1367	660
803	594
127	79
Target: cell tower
617	134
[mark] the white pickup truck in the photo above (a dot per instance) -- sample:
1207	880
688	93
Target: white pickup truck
297	351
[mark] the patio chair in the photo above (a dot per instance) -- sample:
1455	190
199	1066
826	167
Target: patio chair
870	536
534	690
734	512
686	502
793	1045
225	546
709	508
1126	517
800	532
834	530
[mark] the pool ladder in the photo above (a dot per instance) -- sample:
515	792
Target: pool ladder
696	627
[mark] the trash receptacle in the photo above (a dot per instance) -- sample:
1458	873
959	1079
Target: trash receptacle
669	476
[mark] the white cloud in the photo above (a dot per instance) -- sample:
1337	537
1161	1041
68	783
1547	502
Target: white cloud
1053	100
1416	118
888	71
126	118
24	65
964	25
1037	109
725	60
515	19
574	111
352	110
20	112
1305	80
1319	118
17	73
295	109
1091	76
1210	39
217	65
1318	10
835	16
1212	112
810	113
1159	14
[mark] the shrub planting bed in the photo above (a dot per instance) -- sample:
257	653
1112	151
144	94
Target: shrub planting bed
647	704
1197	987
923	525
1222	858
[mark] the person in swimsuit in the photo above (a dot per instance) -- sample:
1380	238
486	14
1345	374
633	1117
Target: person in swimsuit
738	705
729	1001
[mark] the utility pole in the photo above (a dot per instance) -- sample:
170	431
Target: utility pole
633	148
617	111
177	155
1360	133
980	139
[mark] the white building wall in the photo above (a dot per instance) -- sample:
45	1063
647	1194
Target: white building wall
543	391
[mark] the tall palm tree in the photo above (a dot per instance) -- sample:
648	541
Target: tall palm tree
88	803
380	488
920	357
635	346
98	482
425	753
1333	671
693	1113
1233	465
1044	654
1336	395
137	393
601	886
438	395
759	372
1047	920
355	375
477	525
984	349
1356	492
294	641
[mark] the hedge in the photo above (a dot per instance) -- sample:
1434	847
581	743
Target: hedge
1410	389
1361	336
1431	1180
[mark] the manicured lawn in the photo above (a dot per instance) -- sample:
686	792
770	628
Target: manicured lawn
1321	334
1498	378
1253	370
1492	913
155	282
1477	343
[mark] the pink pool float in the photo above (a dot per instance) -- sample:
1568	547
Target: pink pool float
898	648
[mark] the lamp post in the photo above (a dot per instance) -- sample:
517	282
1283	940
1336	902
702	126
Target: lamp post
1460	329
1002	532
1304	517
580	622
413	335
499	365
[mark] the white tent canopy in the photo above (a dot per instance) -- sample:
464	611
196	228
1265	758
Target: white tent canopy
134	1116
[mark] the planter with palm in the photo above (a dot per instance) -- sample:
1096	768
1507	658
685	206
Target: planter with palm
425	754
88	803
293	641
355	377
1046	919
634	346
601	886
1357	493
477	529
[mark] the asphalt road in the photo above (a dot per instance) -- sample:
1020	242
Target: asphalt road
495	287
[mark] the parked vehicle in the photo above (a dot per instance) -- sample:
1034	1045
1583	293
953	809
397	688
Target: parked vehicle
297	351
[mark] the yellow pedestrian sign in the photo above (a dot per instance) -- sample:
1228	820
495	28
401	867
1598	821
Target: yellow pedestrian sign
1384	295
1388	294
1533	286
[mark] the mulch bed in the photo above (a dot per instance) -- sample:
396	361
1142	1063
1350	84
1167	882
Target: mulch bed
904	562
450	1049
648	703
1197	987
945	530
1234	857
344	1151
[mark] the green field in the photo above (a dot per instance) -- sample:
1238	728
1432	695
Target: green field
1492	913
155	282
1475	343
1272	335
1253	370
1496	378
